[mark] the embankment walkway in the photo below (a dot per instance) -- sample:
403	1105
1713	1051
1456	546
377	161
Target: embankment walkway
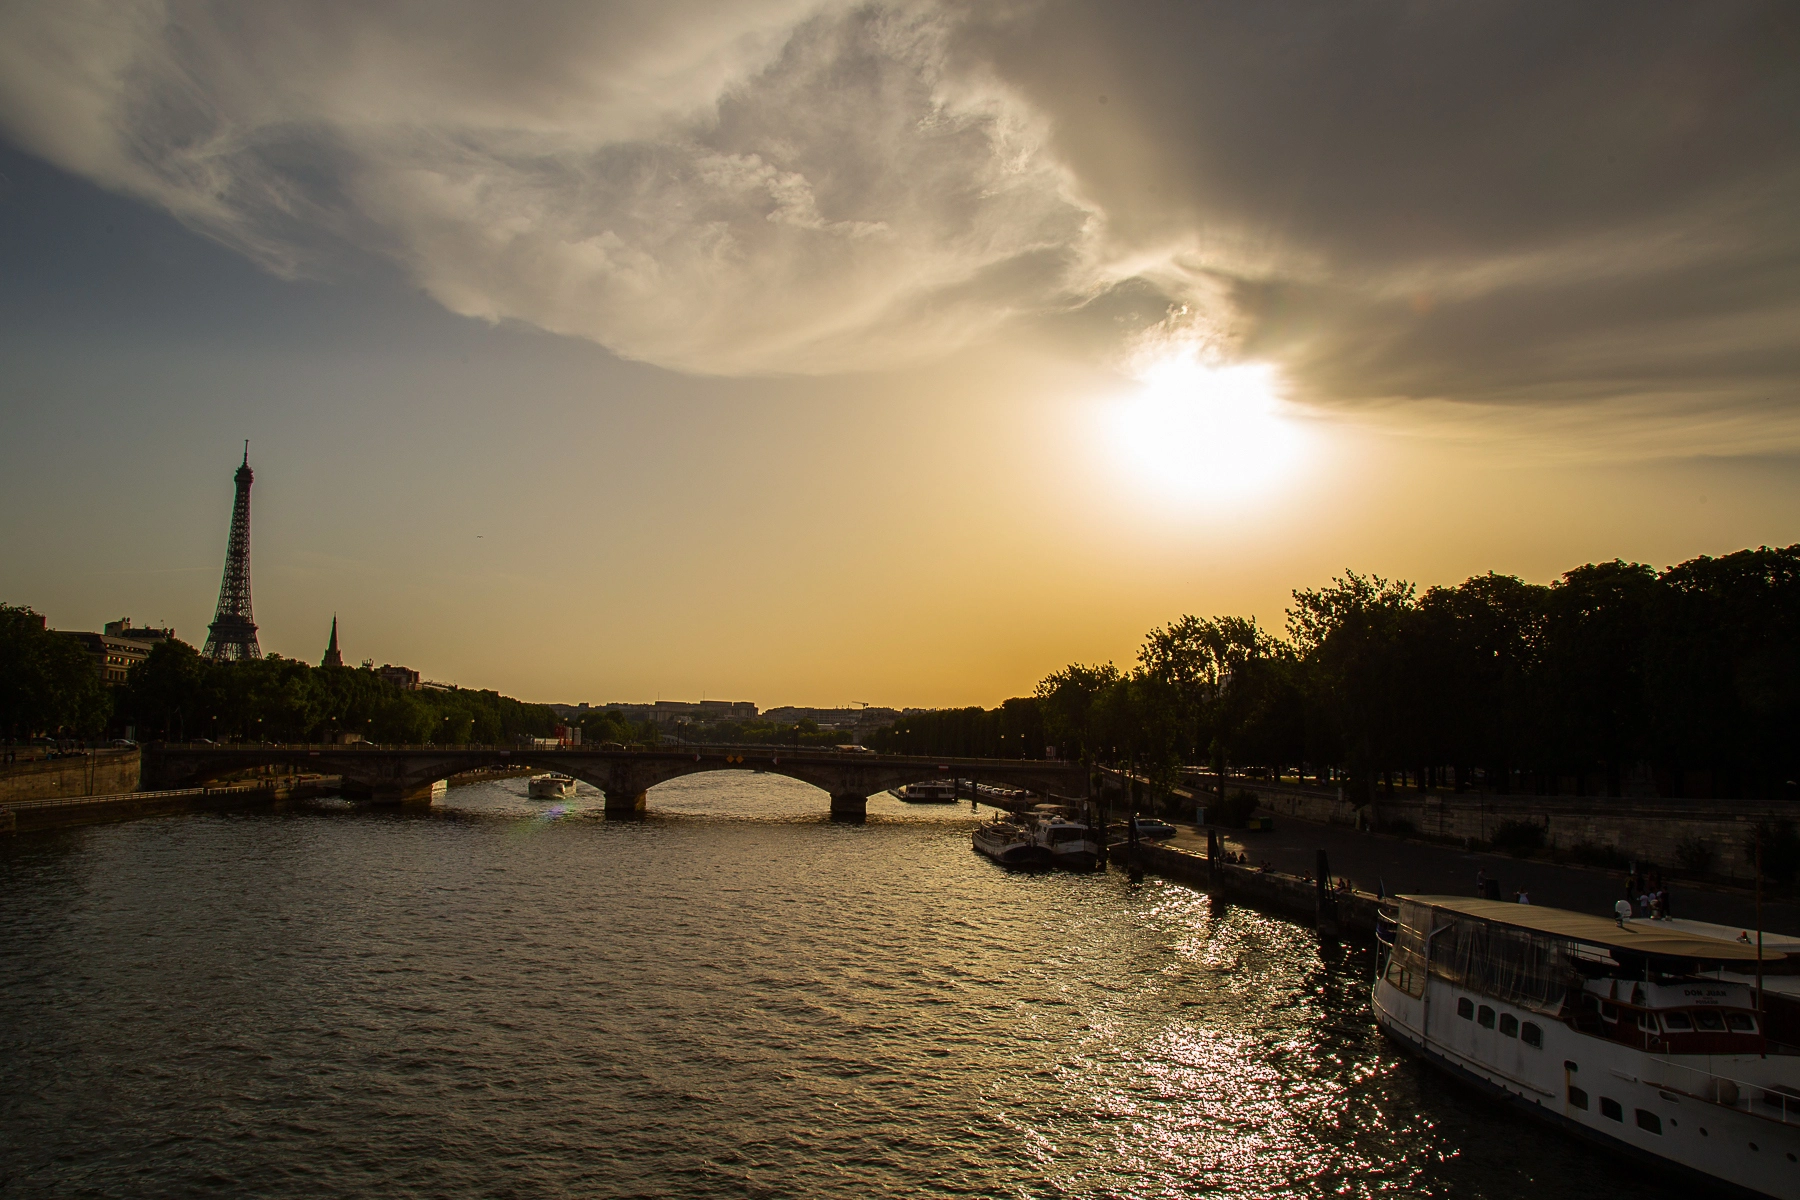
1373	861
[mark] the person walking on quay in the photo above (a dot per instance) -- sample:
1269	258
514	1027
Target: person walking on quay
1481	882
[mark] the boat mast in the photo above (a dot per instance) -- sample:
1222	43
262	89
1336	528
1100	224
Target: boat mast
1761	1020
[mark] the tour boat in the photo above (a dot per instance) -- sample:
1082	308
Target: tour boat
1671	1041
1062	838
931	791
551	787
1006	841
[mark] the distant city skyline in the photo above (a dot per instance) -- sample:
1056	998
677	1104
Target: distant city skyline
804	351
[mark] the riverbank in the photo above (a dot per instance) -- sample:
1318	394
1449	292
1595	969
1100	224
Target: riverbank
110	772
33	816
1331	911
1281	863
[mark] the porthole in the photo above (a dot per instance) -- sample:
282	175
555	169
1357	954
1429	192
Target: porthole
1649	1121
1611	1109
1531	1035
1509	1025
1485	1017
1465	1008
1577	1097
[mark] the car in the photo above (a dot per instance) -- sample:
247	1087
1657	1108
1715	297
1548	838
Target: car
1150	827
124	744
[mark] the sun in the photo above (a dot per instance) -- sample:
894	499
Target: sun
1203	432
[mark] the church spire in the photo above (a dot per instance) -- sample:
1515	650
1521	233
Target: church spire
332	657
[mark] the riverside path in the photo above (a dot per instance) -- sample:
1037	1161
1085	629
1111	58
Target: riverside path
405	774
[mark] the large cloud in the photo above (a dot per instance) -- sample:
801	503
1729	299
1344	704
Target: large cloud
728	188
1497	203
1484	203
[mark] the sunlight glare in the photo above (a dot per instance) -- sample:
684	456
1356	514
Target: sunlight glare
1201	432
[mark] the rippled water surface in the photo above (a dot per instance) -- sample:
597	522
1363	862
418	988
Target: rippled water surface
731	997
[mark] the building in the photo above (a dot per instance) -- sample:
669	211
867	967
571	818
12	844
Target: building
833	718
123	628
332	656
567	735
404	678
113	656
671	712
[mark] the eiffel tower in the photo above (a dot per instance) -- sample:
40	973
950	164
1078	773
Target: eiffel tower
232	634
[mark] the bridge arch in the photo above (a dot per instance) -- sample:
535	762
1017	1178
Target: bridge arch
406	774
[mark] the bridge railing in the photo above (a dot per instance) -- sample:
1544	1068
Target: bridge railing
760	748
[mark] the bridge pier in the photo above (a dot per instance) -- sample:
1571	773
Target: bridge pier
408	794
849	806
623	802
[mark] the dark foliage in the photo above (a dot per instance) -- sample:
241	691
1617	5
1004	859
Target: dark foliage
1617	676
176	694
1014	730
49	684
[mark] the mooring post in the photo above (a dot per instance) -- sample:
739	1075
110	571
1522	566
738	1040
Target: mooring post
1326	903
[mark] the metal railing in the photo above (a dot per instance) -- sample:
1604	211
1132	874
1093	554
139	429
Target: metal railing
683	749
1768	1101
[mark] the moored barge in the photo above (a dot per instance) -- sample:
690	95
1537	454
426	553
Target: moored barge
1653	1038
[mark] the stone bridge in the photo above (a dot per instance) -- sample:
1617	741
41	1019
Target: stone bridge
405	774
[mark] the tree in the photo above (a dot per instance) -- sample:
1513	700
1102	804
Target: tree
48	683
1070	703
1350	638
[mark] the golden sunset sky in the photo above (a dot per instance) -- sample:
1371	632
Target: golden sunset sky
811	353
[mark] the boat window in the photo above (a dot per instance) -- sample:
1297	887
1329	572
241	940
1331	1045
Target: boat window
1509	1025
1531	1035
1609	1108
1609	1012
1577	1097
1465	1008
1678	1022
1647	1022
1485	1017
1741	1022
1649	1120
1706	1019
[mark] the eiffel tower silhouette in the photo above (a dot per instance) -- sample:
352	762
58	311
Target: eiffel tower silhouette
232	634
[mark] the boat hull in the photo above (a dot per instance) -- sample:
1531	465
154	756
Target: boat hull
913	794
1007	854
1085	859
1721	1157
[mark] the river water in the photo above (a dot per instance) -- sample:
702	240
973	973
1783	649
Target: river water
731	997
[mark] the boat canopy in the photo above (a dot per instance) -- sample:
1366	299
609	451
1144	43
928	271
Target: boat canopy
1605	932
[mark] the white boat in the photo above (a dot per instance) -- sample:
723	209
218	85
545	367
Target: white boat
930	791
1063	838
1007	841
1648	1037
550	787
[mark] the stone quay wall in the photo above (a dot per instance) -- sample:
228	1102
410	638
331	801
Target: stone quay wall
1706	837
38	815
97	773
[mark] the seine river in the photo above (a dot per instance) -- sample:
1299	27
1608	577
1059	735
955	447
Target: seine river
732	997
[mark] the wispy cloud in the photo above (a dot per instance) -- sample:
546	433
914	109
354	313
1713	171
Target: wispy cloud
1477	207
